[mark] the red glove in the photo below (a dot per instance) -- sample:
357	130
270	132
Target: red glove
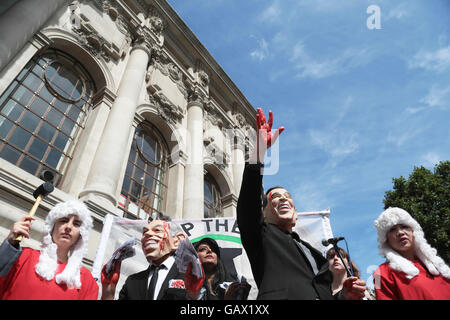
265	129
191	282
113	278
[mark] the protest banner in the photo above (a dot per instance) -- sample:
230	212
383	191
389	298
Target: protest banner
312	227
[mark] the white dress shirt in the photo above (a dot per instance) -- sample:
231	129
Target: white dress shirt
162	274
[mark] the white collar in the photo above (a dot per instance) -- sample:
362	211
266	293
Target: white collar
168	263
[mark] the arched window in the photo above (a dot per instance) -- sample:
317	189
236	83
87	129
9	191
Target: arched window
144	187
212	198
42	113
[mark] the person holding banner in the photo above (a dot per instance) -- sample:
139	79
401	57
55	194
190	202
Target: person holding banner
219	284
283	265
54	272
161	280
413	270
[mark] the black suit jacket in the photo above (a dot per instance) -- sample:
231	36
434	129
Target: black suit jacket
280	268
135	287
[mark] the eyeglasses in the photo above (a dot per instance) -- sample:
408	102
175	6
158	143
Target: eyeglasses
279	195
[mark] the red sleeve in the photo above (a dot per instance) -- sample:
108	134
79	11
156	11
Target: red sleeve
5	282
385	287
2	285
89	287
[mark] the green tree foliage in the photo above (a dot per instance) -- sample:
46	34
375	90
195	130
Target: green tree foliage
426	196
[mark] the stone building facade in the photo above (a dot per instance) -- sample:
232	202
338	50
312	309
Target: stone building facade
124	105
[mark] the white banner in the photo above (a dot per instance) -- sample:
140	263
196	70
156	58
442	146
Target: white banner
312	227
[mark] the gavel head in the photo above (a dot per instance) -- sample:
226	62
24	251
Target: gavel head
47	176
44	189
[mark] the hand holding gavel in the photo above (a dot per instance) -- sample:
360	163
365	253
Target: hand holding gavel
22	227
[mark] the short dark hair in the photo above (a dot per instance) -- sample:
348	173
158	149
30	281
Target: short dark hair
212	244
276	187
264	195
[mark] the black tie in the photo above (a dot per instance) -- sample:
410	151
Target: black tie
154	279
305	251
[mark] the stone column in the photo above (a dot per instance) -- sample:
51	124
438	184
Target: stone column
193	173
105	172
20	22
89	140
238	160
174	207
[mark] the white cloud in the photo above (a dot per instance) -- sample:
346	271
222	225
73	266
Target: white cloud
431	159
437	97
438	60
414	110
271	13
326	5
311	197
336	140
403	136
398	12
308	67
262	51
337	143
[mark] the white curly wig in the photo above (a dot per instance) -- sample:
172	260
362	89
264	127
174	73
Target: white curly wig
48	261
428	255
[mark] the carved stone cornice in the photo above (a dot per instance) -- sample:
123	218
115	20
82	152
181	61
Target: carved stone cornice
239	120
155	20
178	156
104	95
40	40
162	62
137	33
239	140
116	13
94	43
143	41
166	109
196	96
214	154
213	116
203	76
178	28
216	118
229	200
91	39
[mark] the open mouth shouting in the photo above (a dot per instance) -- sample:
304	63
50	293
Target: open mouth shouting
284	207
150	245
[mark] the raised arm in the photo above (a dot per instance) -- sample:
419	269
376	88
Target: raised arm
249	207
264	136
10	249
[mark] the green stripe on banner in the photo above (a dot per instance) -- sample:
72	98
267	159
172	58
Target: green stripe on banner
219	237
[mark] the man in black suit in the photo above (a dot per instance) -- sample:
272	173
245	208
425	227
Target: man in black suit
283	265
161	280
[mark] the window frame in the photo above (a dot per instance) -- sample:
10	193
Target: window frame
60	138
216	208
156	172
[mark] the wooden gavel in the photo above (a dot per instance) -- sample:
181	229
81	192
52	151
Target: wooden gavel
41	191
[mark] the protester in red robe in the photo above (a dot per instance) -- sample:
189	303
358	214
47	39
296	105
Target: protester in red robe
413	270
54	272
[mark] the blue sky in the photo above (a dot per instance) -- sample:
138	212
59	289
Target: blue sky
359	106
